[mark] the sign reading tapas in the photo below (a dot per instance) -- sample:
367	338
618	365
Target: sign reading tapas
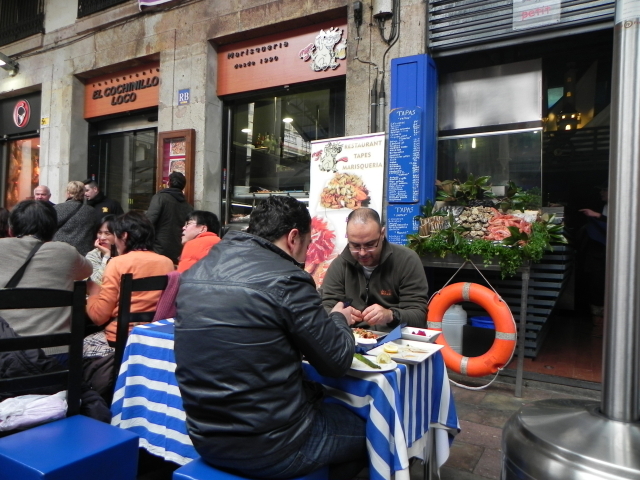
305	54
21	113
129	89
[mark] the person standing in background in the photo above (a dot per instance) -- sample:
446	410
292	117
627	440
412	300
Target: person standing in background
167	212
99	201
76	221
596	259
42	192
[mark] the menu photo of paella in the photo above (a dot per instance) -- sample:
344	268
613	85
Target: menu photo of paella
345	190
178	165
178	147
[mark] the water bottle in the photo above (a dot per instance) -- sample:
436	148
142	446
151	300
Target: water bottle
452	321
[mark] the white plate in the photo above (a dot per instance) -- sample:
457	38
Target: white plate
429	336
410	352
362	367
369	341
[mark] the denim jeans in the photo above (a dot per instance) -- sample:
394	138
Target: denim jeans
336	438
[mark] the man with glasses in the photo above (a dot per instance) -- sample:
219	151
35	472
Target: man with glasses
386	282
199	234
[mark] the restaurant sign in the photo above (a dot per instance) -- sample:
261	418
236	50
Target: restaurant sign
130	89
310	53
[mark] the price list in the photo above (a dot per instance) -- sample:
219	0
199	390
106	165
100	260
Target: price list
401	222
403	185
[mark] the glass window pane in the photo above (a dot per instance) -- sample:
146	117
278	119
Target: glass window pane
271	143
512	156
23	172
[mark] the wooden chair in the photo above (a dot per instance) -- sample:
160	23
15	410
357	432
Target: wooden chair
75	446
69	379
125	318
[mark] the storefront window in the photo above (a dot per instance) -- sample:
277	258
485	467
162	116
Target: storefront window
506	156
270	149
23	170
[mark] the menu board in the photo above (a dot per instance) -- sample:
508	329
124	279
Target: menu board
174	159
347	173
405	128
401	222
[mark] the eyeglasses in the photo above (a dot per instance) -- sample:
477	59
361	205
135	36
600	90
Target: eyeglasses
366	247
193	222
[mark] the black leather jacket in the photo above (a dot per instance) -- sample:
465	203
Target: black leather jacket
246	314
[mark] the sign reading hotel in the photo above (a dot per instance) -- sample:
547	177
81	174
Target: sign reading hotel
346	173
130	89
310	53
535	13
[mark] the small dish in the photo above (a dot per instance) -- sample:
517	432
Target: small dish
420	334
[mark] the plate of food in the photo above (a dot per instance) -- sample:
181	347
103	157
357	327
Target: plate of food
420	334
367	337
372	363
407	351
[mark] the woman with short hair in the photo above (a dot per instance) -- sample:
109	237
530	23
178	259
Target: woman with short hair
134	237
76	221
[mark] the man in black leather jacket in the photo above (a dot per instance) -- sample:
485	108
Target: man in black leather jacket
246	314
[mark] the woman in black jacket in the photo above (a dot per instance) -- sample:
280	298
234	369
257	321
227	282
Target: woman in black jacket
76	221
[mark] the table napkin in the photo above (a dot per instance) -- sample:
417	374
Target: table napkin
394	334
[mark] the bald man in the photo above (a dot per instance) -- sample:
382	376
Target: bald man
386	282
42	192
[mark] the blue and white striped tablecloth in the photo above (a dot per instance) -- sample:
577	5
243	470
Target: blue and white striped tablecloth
400	405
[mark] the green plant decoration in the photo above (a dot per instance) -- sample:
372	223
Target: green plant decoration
474	188
428	210
510	254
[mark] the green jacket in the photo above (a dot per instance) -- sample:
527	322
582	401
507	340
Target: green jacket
398	283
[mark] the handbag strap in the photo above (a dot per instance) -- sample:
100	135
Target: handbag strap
15	280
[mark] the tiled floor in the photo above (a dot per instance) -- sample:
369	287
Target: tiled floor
476	453
569	350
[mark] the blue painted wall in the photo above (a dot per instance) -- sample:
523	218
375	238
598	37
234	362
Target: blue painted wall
414	83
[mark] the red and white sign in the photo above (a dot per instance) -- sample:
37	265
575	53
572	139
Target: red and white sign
535	13
21	113
309	53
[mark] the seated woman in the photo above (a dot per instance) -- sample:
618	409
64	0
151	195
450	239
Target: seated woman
134	236
54	265
105	248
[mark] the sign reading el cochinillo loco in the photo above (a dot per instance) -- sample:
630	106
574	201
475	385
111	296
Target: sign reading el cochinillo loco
130	89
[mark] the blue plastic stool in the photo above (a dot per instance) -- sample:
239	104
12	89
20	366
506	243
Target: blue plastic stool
76	447
198	469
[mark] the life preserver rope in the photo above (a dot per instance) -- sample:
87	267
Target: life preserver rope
504	344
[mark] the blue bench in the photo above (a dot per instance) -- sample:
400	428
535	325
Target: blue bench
77	447
198	469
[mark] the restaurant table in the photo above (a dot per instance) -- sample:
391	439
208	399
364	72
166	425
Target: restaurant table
409	410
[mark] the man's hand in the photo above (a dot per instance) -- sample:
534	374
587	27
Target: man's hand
590	213
377	315
346	311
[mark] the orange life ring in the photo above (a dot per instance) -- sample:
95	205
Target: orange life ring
503	345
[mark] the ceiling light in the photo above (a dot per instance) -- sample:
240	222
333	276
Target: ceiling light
246	130
10	65
287	119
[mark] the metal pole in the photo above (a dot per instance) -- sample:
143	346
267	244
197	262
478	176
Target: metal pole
622	307
522	326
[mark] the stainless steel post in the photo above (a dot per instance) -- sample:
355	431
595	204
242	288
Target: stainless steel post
622	306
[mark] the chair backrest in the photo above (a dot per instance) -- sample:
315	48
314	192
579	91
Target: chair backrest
69	379
127	286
